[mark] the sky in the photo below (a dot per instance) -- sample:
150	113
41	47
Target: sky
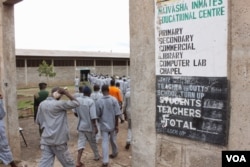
79	25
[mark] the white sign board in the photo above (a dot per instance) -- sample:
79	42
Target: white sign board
191	38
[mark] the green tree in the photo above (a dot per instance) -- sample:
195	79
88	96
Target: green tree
46	70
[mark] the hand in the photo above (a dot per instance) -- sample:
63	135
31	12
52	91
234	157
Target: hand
61	91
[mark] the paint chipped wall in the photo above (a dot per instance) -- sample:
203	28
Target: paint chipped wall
240	76
151	149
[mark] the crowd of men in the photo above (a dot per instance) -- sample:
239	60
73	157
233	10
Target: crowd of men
105	80
98	106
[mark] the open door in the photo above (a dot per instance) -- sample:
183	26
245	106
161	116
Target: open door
84	75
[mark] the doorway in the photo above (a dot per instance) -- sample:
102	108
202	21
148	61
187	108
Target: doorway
84	75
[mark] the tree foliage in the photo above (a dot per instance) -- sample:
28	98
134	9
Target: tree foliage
46	70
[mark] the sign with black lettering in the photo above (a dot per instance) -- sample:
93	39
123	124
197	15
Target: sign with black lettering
191	69
192	107
191	37
235	158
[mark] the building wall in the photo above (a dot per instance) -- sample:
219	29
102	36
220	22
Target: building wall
64	76
103	70
28	77
151	149
120	71
21	77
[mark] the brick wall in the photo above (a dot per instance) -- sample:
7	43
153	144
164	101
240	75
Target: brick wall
64	75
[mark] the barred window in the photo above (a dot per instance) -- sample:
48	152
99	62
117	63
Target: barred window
84	62
36	63
119	63
20	63
63	62
103	62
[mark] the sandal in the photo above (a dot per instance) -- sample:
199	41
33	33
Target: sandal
113	156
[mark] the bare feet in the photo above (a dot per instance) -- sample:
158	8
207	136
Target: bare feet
80	165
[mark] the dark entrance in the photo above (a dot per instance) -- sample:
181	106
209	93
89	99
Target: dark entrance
84	75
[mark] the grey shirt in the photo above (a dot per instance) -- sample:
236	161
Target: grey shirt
127	106
52	118
2	113
86	112
107	108
96	95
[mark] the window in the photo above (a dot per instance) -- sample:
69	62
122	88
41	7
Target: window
103	62
63	62
20	63
84	62
36	63
119	62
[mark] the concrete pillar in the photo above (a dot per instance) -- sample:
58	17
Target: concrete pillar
8	74
142	71
94	66
240	75
151	149
112	67
75	67
127	68
26	72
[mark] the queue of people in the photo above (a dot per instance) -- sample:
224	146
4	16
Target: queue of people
97	112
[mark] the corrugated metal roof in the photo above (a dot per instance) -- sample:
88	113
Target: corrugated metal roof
62	53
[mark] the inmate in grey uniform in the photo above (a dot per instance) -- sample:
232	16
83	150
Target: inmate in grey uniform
107	108
52	117
5	153
86	113
127	109
95	96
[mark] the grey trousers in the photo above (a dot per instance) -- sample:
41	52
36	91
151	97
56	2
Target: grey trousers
106	137
60	151
129	133
83	137
5	153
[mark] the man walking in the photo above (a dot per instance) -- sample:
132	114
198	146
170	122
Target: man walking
5	152
52	118
95	96
108	111
77	83
127	111
86	125
38	98
115	92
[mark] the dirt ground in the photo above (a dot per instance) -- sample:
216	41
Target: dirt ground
31	154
